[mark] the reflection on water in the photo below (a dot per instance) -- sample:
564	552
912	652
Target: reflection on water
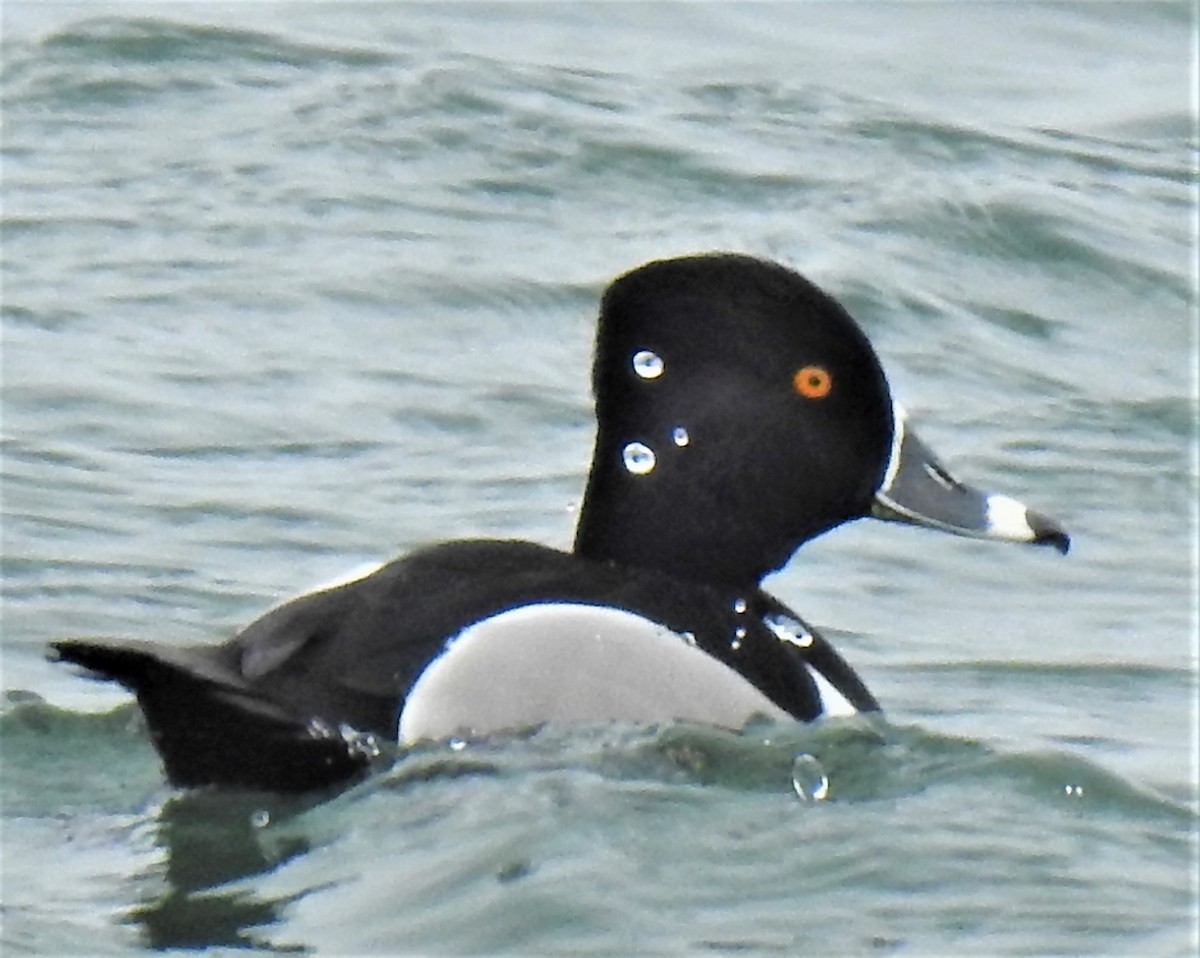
212	841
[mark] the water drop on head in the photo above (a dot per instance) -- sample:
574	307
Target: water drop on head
638	458
809	780
680	436
646	364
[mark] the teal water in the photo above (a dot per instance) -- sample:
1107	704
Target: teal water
288	288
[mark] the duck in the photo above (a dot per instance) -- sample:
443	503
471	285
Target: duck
741	412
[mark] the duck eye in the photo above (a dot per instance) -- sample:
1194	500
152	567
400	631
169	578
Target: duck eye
813	382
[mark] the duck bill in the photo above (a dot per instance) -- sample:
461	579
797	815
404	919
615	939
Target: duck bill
918	489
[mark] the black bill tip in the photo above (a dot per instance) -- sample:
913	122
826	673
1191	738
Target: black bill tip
1047	532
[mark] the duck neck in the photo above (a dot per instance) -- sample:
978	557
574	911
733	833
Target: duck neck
659	521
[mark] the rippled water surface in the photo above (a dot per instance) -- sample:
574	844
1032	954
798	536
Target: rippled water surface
288	288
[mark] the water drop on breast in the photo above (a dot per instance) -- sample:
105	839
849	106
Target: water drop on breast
680	436
646	364
638	458
787	629
809	780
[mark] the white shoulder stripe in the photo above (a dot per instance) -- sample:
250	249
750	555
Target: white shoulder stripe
833	703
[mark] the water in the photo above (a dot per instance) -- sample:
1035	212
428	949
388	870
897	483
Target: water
292	288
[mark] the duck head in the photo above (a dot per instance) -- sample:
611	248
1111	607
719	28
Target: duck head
741	412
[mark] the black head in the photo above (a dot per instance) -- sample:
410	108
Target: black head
741	412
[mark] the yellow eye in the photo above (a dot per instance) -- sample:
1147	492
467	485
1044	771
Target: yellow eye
813	382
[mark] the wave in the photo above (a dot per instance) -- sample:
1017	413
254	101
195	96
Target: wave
160	40
413	847
863	760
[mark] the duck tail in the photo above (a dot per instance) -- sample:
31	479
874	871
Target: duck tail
211	728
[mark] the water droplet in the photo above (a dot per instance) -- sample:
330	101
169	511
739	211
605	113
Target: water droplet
809	779
1074	791
680	436
319	728
261	818
646	364
639	458
787	629
689	638
736	642
739	606
457	744
368	745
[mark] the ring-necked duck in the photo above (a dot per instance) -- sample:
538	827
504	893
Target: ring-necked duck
741	412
